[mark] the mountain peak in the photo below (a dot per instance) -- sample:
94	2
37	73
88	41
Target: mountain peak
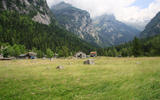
61	5
75	20
108	17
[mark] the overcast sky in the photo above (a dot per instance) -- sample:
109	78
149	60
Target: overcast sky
128	11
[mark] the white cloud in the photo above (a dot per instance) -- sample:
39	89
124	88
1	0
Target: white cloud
120	8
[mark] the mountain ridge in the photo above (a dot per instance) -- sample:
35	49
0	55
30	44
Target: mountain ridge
76	20
112	31
152	28
104	34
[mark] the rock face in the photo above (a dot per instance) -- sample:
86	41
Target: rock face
113	32
76	20
152	28
37	9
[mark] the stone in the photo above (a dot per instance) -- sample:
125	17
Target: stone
89	62
59	67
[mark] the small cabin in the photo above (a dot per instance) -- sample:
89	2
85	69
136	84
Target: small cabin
93	54
80	55
29	55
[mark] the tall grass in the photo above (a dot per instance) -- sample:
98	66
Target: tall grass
108	79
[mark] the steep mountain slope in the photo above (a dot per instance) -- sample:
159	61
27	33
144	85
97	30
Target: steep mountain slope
18	25
113	32
153	27
76	20
37	9
104	30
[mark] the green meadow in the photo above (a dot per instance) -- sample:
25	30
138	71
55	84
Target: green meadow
107	79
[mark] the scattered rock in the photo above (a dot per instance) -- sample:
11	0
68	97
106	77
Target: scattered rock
89	62
138	63
59	67
33	93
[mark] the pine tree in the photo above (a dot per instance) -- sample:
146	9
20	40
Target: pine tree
137	51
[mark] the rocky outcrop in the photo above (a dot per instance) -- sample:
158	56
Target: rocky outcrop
76	20
152	28
37	9
44	19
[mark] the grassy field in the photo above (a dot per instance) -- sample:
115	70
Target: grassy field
108	79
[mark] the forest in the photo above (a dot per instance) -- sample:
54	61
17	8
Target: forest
139	47
18	32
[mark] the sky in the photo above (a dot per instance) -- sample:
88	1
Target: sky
133	12
142	3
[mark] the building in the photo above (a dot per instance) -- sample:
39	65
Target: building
93	54
29	55
80	55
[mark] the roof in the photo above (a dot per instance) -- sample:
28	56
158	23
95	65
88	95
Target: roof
32	53
28	54
22	55
80	52
93	52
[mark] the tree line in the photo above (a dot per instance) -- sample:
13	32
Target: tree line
137	48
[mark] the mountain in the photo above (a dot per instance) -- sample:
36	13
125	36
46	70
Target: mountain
38	10
104	30
152	28
32	24
76	20
112	31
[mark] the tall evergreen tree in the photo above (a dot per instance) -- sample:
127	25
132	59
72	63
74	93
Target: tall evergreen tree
137	51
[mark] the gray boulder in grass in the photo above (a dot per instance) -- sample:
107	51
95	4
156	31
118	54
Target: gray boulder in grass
59	67
89	62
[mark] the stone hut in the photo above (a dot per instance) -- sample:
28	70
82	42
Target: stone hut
80	55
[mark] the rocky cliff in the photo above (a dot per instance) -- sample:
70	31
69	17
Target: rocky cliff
76	20
152	28
37	9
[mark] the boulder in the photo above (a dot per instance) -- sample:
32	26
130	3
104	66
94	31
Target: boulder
59	67
89	62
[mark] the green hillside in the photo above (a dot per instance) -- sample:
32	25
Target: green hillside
16	28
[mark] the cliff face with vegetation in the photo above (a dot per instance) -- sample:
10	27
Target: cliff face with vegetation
152	28
37	9
76	20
